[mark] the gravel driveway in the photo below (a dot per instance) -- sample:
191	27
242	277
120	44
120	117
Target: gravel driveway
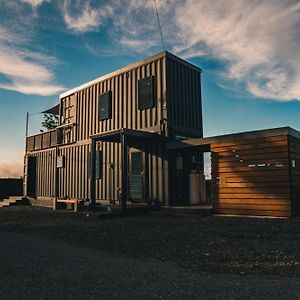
46	255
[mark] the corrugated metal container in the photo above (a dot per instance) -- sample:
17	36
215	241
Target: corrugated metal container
176	112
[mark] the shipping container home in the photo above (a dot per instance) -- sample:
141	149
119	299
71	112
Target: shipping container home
111	142
252	173
135	136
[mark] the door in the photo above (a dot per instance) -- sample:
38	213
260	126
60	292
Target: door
137	177
31	176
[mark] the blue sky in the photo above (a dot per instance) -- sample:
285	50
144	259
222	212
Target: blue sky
248	51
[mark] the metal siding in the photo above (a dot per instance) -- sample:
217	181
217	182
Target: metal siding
124	114
74	178
184	99
45	175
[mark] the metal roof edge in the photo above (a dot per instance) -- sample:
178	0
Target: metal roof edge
293	132
182	61
254	133
114	73
236	137
127	68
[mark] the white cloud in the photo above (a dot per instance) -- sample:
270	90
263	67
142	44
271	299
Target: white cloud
258	40
13	169
81	17
35	3
11	162
25	71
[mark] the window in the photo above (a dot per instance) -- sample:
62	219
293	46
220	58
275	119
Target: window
105	106
146	93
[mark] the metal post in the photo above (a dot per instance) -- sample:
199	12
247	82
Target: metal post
27	124
124	161
56	188
93	174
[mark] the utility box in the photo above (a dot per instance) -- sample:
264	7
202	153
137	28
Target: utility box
197	188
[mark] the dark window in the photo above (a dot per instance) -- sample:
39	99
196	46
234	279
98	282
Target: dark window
59	132
146	93
105	106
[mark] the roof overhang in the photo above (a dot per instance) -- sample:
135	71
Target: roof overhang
53	110
204	144
135	136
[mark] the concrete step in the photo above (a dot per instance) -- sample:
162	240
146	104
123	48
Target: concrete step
12	200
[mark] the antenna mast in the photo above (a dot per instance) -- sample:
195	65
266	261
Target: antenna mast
161	35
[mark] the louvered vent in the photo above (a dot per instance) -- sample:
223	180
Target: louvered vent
105	106
146	93
137	176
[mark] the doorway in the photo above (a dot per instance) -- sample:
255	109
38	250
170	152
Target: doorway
31	176
137	176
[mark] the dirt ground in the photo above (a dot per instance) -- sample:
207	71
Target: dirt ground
211	245
218	244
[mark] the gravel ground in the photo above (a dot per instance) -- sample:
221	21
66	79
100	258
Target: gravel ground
62	255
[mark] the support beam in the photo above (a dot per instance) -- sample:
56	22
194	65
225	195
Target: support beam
93	174
124	167
56	188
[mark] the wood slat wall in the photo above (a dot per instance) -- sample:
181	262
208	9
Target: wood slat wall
251	177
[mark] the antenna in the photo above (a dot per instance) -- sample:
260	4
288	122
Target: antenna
161	35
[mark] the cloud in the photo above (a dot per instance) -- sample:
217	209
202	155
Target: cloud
25	71
258	42
82	17
11	162
35	3
126	23
13	169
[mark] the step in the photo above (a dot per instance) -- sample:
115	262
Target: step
11	200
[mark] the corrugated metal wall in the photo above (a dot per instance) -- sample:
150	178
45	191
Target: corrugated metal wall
124	102
74	176
46	166
185	103
124	115
184	99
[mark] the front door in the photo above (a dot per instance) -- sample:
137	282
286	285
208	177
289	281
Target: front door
137	176
31	176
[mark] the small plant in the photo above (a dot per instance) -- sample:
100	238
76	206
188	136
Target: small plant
50	121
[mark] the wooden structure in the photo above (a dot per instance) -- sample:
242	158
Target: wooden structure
253	173
110	144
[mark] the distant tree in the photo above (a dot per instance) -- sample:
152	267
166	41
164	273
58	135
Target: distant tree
50	121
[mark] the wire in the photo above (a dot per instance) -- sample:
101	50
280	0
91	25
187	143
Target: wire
159	25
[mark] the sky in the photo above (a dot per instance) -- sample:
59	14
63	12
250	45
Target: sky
248	51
